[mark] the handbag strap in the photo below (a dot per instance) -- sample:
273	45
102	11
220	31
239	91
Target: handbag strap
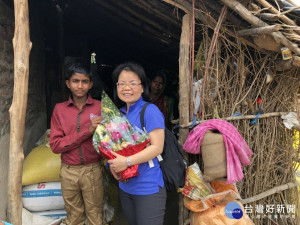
143	127
142	115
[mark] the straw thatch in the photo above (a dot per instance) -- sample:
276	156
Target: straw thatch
235	76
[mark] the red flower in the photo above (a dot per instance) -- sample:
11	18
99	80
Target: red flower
116	136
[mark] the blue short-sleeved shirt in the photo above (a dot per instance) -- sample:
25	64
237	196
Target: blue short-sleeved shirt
149	179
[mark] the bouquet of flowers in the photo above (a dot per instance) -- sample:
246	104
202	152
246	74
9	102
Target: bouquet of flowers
115	133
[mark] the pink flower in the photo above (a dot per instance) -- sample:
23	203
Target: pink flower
104	144
135	137
111	126
116	136
123	126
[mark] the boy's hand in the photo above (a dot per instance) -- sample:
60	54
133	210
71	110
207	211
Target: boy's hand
94	123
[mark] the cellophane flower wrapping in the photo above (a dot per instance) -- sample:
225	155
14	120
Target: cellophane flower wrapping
115	133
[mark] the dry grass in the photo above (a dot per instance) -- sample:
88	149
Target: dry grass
241	72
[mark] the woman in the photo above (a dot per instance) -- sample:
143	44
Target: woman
163	102
142	197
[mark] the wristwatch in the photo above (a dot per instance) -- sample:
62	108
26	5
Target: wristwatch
128	161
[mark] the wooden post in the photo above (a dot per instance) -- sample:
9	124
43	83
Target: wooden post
184	93
22	46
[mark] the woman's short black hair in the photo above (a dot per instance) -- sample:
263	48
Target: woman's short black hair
77	68
139	71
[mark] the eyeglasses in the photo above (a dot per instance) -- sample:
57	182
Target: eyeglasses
132	85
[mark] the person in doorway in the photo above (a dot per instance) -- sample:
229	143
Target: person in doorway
142	197
73	123
157	96
166	106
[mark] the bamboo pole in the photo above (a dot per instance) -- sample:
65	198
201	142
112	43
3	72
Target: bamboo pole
270	192
234	118
22	46
184	87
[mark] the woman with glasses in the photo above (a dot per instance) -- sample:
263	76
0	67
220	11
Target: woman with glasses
143	197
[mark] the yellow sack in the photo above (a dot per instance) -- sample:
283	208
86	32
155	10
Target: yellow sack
41	165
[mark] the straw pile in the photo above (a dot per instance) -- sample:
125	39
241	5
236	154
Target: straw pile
245	75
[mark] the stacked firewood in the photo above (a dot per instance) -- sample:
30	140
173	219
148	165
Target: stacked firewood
273	27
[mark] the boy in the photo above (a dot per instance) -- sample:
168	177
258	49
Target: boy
73	123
